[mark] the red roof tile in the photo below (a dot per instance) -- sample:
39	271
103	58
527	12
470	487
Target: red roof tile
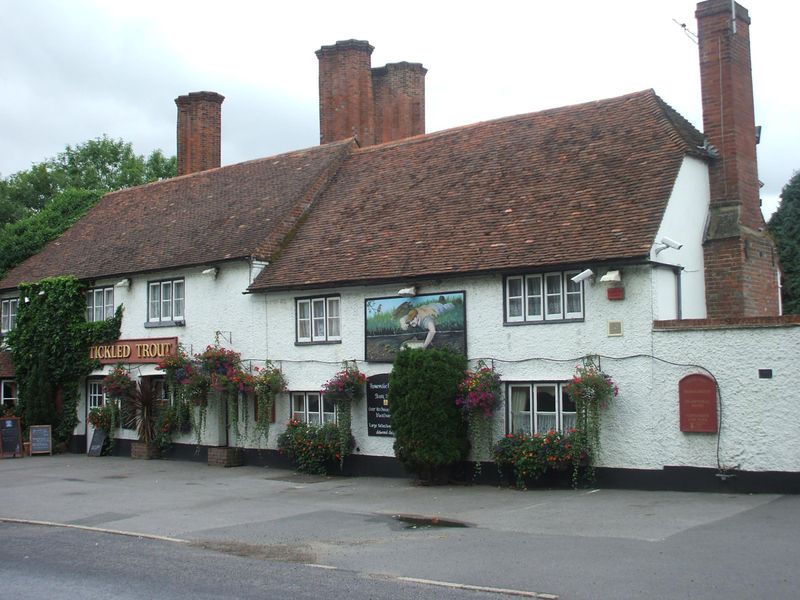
568	186
232	212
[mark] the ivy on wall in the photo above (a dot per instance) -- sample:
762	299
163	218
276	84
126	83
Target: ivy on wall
50	348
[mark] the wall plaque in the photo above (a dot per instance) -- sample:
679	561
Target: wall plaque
378	418
697	398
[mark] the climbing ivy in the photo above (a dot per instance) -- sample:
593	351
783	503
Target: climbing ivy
50	348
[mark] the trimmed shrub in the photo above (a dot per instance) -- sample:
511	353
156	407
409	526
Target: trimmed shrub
430	433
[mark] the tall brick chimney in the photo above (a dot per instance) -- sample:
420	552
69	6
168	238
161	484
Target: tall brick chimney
346	106
199	131
375	105
399	90
740	259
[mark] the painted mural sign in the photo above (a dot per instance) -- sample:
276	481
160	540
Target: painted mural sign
150	350
697	397
379	421
428	321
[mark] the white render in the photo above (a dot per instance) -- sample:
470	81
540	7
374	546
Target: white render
215	307
684	221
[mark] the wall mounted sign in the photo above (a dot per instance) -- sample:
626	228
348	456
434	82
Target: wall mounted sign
150	350
432	320
10	437
697	398
378	419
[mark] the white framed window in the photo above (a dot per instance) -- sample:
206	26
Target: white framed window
539	407
99	304
312	408
165	301
543	297
8	393
8	314
319	319
95	395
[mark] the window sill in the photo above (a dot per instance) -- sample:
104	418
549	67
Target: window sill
325	343
550	322
157	324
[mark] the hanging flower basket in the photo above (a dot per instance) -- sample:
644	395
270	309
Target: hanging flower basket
343	388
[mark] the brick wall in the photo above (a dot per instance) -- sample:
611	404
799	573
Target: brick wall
199	131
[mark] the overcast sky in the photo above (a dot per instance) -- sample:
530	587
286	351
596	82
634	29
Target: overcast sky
73	71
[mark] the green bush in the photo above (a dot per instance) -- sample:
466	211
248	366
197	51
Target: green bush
311	448
430	433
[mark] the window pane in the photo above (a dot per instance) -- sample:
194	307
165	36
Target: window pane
567	405
328	405
313	403
534	297
334	320
98	305
546	398
166	301
574	295
177	300
89	307
298	407
521	409
318	317
303	320
553	287
514	298
155	301
109	303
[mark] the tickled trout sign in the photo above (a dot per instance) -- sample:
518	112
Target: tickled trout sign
149	350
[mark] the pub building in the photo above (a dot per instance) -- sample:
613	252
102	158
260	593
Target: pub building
613	228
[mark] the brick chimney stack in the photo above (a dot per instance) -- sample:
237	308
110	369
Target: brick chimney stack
346	106
399	90
375	105
199	131
740	259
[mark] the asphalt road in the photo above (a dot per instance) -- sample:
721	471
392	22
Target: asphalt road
578	545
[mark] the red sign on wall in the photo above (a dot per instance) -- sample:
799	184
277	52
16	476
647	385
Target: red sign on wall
149	350
697	398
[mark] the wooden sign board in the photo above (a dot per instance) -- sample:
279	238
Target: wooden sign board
697	398
96	446
41	437
10	437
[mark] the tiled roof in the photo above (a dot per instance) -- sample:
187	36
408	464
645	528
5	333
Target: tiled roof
568	186
6	365
231	212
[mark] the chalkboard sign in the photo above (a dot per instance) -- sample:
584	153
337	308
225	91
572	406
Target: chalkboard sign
41	439
378	417
98	438
10	437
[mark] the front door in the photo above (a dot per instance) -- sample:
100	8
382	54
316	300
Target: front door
95	398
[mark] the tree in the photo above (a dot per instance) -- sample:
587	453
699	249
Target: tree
430	433
785	229
39	204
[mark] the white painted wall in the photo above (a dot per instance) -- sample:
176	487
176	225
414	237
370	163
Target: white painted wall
211	305
529	352
684	221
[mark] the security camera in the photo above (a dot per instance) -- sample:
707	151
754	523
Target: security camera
583	275
667	243
670	243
